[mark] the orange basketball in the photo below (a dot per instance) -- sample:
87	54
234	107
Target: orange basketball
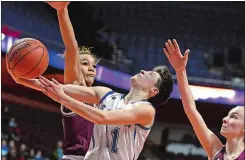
28	58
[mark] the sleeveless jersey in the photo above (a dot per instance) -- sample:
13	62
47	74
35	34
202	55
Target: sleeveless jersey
221	153
77	133
117	142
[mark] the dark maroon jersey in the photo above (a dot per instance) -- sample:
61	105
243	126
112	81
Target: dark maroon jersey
220	155
77	133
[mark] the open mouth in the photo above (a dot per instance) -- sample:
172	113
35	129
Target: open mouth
224	127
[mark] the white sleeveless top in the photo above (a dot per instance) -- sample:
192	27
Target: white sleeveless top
117	142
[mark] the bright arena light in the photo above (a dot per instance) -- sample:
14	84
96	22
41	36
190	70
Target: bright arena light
3	36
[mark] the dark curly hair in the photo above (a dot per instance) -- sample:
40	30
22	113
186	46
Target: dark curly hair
164	84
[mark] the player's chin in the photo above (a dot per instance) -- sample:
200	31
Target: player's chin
89	81
133	80
223	132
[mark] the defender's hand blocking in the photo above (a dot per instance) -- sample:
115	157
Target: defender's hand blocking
58	5
176	59
53	89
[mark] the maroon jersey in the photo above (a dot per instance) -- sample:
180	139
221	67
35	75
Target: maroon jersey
77	133
220	155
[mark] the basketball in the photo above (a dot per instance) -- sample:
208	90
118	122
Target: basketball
28	58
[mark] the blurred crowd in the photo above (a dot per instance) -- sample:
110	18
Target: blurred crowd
16	147
13	147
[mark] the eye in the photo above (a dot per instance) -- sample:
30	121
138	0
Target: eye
94	66
152	74
234	116
85	63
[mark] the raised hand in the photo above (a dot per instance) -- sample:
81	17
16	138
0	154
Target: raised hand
58	5
176	59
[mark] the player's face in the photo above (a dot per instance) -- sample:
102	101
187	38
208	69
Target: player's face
88	68
233	123
145	80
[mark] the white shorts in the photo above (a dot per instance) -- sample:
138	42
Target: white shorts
71	157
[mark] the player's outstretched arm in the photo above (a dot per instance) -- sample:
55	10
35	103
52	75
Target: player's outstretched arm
142	114
207	138
31	83
72	73
89	95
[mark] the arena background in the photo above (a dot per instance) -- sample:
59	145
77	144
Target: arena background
129	36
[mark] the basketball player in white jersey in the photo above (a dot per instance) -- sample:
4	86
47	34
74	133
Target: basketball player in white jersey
233	124
122	123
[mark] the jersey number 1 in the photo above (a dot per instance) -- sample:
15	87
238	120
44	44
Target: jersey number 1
115	135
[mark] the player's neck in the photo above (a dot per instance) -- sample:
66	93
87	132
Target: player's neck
234	146
135	95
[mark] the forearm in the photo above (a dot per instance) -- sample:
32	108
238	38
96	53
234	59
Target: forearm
88	112
74	90
32	83
206	137
81	93
67	31
185	91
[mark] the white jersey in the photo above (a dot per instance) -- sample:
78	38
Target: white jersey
117	142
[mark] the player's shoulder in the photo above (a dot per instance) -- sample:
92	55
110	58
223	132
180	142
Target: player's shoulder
111	96
145	108
219	153
101	89
146	112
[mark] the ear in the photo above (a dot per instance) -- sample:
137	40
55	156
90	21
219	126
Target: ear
154	91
